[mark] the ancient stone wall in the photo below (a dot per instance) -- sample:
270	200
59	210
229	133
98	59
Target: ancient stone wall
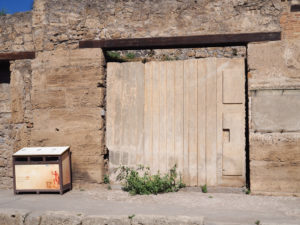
61	24
15	117
16	32
67	100
5	113
274	103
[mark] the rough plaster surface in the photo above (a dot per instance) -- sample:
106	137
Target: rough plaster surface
275	162
67	100
274	81
274	65
276	111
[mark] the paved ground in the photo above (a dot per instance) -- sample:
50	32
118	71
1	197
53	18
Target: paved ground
217	208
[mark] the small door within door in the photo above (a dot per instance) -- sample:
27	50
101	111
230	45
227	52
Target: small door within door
190	113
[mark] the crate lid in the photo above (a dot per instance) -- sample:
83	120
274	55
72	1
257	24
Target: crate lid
41	151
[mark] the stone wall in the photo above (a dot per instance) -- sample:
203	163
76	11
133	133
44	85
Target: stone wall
67	100
5	129
61	24
15	117
16	32
274	103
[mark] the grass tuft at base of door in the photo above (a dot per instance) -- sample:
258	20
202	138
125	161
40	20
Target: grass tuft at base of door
141	182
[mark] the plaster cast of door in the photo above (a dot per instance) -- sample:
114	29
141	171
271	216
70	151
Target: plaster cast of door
190	113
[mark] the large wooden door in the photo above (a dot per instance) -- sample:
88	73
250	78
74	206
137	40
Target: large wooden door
190	113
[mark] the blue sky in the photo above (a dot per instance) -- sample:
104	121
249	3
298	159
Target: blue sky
13	6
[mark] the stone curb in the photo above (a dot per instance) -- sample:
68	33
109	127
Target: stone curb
24	217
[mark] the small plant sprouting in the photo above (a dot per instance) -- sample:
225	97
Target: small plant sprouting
114	55
130	55
108	187
257	222
204	188
210	196
247	191
131	216
106	179
140	181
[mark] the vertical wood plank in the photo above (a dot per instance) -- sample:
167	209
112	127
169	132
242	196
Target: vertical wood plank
186	177
156	116
202	76
163	118
221	65
115	88
139	71
148	129
110	108
211	123
170	113
179	116
125	115
192	71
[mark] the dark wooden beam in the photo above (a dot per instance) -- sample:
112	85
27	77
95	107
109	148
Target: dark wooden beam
182	41
5	56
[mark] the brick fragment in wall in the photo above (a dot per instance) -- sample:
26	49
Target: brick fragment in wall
290	25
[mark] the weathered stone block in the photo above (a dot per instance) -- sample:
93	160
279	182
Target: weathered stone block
275	110
275	162
76	97
65	218
68	119
274	64
106	220
42	99
12	216
33	219
166	220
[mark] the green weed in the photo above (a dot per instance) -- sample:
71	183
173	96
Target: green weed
106	179
130	55
131	217
114	55
140	181
204	188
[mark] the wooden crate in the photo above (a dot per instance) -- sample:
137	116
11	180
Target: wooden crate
42	169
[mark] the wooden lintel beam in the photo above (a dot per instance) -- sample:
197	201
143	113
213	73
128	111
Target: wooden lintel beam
16	55
214	40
